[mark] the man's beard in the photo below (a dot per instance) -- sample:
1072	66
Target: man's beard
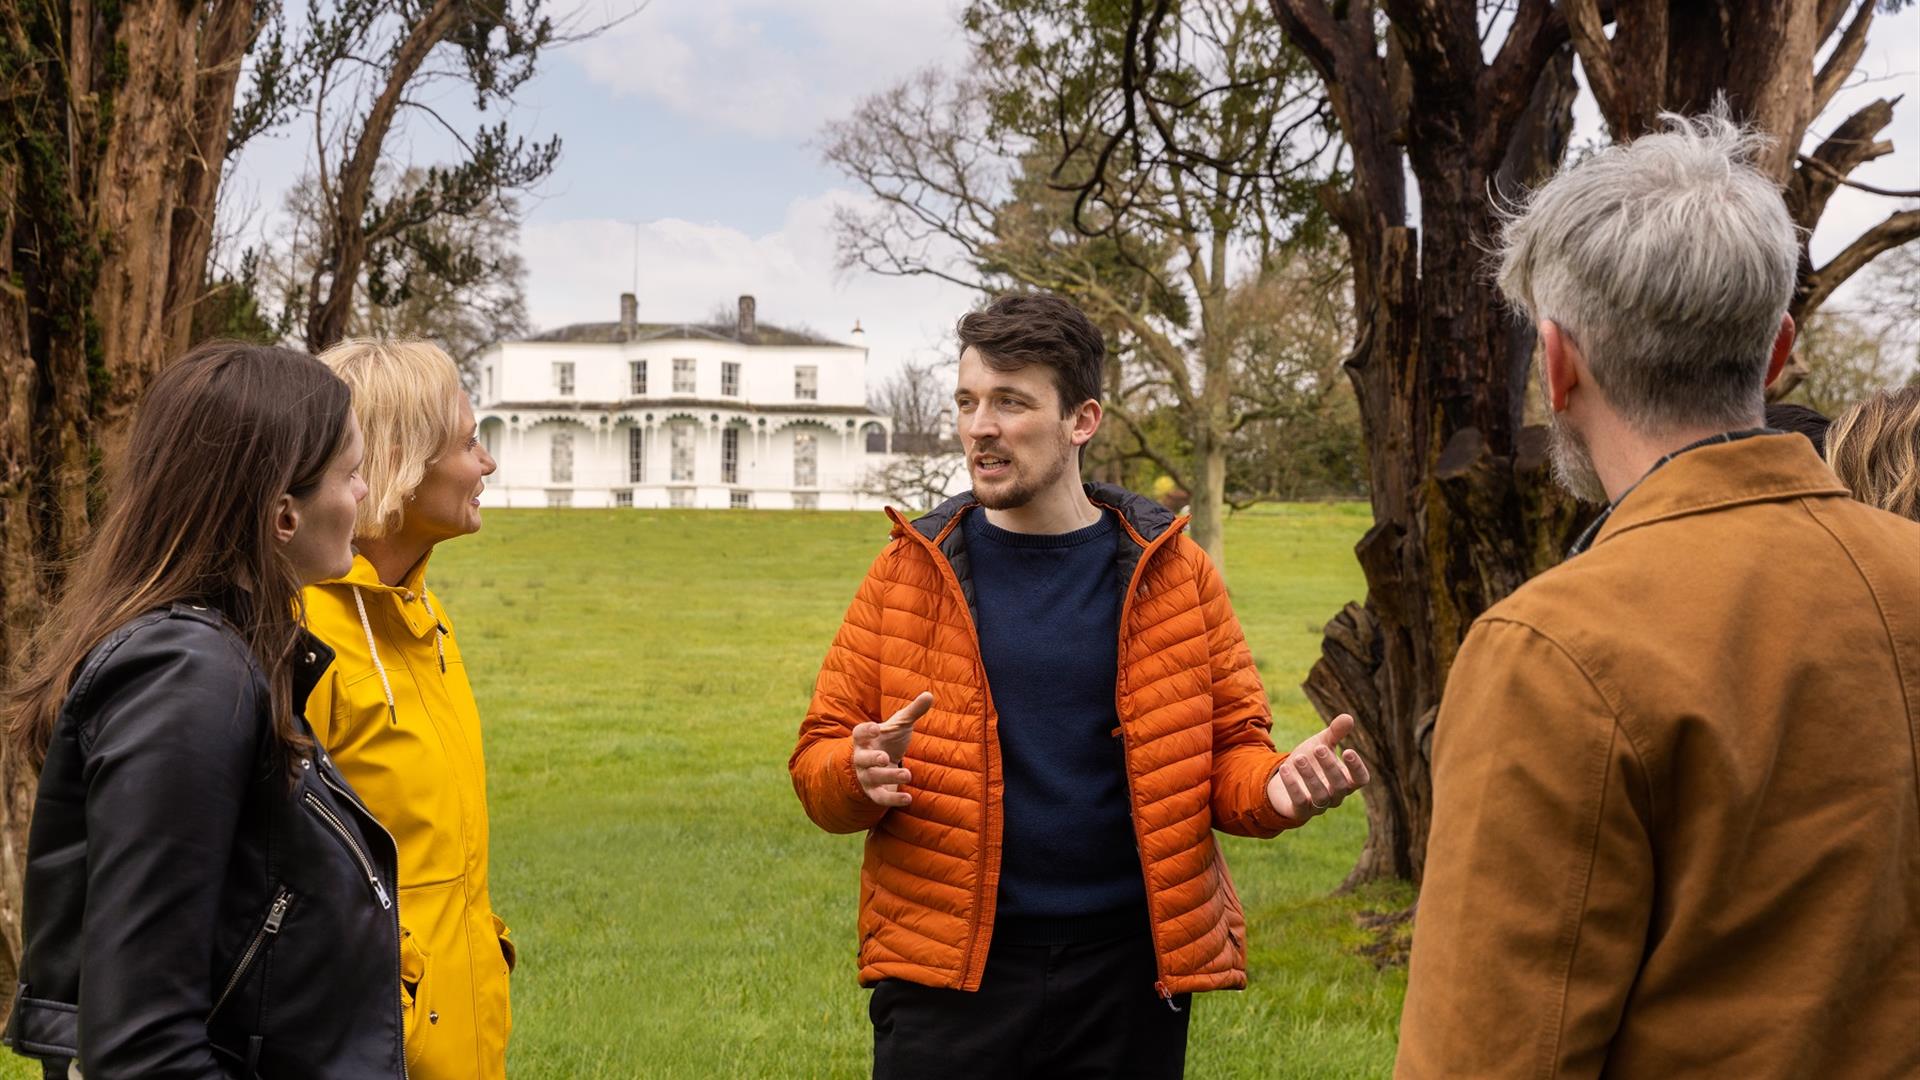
1022	490
1573	463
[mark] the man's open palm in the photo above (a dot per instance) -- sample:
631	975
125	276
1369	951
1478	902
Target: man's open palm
880	751
1318	774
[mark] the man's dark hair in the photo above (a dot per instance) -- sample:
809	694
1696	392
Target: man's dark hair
1034	328
1790	417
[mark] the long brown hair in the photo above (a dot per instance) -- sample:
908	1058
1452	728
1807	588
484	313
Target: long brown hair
1874	449
222	433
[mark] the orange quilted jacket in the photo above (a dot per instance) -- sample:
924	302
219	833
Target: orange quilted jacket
1193	715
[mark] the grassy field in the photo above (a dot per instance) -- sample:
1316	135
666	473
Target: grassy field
641	675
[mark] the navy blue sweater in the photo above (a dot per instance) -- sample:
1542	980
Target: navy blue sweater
1048	609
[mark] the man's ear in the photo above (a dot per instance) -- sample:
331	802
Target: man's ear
1782	349
286	518
1557	367
1086	421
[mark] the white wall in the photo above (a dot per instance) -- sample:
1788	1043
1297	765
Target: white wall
523	371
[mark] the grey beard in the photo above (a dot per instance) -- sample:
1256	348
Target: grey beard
1573	464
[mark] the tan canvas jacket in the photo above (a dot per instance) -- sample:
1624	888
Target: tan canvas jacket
1676	826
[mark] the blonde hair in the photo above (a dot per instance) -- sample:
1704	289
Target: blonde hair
406	395
1874	449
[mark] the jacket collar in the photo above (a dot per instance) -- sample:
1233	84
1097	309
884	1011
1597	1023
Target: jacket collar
407	599
310	660
368	579
1145	524
1145	520
1764	468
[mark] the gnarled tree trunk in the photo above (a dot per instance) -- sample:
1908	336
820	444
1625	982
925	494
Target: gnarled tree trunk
1463	503
115	123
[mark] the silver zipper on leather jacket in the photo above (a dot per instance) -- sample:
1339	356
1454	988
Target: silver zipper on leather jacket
276	914
353	800
366	864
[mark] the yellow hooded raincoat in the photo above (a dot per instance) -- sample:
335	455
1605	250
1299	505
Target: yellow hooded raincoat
398	717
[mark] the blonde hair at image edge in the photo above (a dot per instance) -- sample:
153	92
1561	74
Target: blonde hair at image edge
406	395
1874	449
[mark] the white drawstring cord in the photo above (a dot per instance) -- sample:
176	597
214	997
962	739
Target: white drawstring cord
439	646
374	650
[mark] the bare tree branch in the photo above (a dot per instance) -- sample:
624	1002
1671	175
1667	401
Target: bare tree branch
1898	228
1845	57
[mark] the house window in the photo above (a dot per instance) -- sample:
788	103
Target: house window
559	498
561	468
806	459
730	456
489	384
563	378
637	378
806	383
680	498
636	455
729	379
683	376
806	500
876	438
623	497
683	453
740	500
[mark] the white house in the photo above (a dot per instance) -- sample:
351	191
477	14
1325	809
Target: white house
637	414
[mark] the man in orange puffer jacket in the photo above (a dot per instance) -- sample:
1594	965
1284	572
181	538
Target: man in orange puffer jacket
1071	710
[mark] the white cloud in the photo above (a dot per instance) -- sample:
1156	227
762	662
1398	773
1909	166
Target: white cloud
576	270
769	68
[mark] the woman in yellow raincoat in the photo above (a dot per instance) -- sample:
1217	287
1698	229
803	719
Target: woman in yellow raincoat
396	712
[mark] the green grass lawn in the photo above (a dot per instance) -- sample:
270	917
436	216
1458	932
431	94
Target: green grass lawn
641	676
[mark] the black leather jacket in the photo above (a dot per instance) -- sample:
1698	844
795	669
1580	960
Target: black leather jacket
221	924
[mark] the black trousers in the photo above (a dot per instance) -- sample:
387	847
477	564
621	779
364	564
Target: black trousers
1062	1012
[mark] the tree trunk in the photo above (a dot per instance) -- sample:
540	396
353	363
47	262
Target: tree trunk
224	40
105	111
1208	498
1463	500
1464	510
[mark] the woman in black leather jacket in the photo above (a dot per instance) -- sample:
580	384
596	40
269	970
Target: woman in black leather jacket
194	863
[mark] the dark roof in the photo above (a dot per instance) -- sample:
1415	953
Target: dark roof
608	333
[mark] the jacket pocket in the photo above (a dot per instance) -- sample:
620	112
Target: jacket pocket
261	940
507	949
414	1002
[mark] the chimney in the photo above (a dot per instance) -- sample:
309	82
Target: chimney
748	328
629	315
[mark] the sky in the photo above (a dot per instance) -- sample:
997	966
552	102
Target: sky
690	171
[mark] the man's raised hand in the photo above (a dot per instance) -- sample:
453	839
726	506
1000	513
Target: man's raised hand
1318	774
879	751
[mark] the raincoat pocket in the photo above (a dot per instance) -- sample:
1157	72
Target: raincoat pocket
414	1000
507	948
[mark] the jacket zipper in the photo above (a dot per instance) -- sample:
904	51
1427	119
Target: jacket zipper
399	1017
991	745
1126	751
366	865
1126	603
276	914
